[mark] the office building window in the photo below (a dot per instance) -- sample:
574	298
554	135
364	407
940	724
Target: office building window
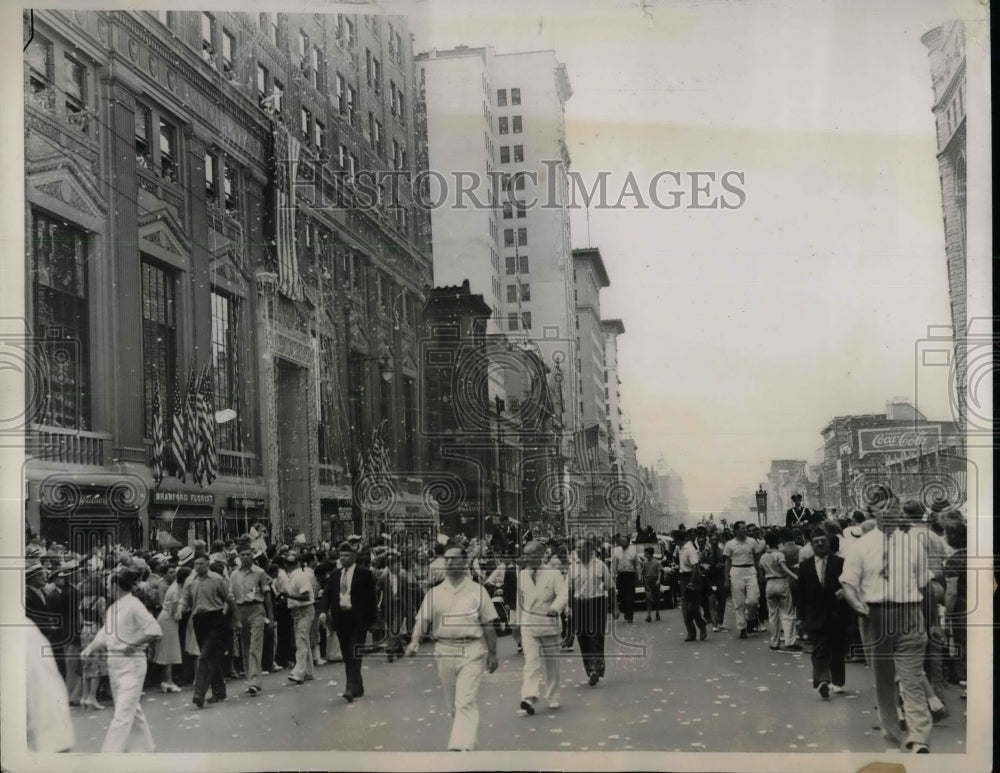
504	154
207	35
526	319
340	93
159	339
304	119
261	84
508	210
522	236
515	96
519	182
319	135
225	367
278	90
501	97
508	237
351	101
61	321
518	153
511	265
303	44
502	123
522	264
143	150
231	190
269	23
511	293
211	189
526	292
168	150
228	45
512	321
516	121
522	210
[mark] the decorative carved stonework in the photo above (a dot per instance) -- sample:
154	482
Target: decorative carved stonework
153	65
171	80
133	48
293	348
102	30
66	190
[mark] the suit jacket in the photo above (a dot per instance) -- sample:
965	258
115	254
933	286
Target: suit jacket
819	607
364	600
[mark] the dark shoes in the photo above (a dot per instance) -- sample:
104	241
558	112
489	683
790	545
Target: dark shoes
941	714
216	699
199	702
704	634
527	708
594	676
294	679
824	691
793	648
743	633
347	697
252	690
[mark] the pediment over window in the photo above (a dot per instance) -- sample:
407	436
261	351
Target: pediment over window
63	189
161	236
224	272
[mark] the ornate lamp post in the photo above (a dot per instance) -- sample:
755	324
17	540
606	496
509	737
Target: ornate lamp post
761	506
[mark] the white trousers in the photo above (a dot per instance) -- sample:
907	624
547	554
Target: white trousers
541	664
459	667
746	592
127	675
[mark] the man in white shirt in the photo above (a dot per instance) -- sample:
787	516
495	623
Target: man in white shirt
301	600
459	614
541	599
625	567
689	569
884	578
742	554
591	593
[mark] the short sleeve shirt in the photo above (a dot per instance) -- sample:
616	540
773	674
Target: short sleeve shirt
741	553
456	612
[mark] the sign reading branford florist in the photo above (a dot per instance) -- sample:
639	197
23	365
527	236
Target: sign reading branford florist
896	440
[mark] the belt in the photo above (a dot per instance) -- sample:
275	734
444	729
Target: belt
462	640
247	603
775	578
201	612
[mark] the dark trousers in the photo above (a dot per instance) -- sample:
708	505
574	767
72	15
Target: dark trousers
352	640
829	647
691	606
589	620
718	602
284	648
214	635
625	585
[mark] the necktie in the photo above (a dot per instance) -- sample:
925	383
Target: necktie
820	570
344	587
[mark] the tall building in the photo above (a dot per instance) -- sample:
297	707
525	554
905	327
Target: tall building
205	196
613	328
946	49
496	126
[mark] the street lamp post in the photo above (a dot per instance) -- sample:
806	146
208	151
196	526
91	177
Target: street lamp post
761	506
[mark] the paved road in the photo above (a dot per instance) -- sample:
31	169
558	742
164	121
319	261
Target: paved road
660	693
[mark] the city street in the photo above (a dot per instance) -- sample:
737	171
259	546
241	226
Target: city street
661	694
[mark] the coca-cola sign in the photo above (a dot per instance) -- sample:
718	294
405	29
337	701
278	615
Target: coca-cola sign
897	440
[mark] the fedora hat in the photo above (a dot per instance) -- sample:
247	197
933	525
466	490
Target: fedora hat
184	555
33	570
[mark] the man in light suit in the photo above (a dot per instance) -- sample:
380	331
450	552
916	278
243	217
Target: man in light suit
541	599
824	613
351	605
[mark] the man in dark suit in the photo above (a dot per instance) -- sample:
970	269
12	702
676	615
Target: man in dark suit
824	613
351	603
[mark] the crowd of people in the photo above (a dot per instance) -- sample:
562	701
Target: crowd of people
120	621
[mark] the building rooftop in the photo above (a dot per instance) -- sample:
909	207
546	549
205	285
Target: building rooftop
593	256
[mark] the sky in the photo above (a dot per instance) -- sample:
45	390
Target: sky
748	329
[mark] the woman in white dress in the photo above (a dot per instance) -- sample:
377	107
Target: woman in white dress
168	649
127	630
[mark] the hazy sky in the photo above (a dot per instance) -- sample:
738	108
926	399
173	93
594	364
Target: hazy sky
747	330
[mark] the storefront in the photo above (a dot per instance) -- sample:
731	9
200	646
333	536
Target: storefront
81	516
336	521
182	517
241	513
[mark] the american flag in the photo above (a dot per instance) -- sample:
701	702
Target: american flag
177	434
208	463
191	427
586	444
379	456
286	157
159	447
